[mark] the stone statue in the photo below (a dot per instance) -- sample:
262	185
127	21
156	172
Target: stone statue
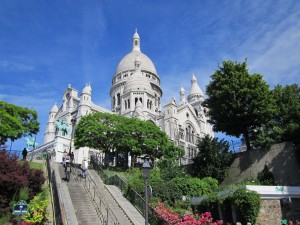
62	126
31	142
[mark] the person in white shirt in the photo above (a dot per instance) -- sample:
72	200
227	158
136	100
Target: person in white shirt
84	167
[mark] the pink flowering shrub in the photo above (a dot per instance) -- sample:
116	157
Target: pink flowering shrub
187	219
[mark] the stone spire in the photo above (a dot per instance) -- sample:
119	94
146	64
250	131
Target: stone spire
182	95
195	89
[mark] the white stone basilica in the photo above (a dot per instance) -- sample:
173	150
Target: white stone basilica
135	92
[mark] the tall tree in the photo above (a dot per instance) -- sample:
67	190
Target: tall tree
16	121
213	158
110	132
238	102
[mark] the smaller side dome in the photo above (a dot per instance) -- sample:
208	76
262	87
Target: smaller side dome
54	108
87	89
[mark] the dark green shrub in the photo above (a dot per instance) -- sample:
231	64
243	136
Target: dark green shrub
168	192
247	205
266	177
209	204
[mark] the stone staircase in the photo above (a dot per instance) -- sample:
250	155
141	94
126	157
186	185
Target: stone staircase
92	201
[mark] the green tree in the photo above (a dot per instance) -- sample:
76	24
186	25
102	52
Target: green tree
285	125
238	102
16	121
213	158
287	101
110	132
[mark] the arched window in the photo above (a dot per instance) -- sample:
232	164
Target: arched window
125	104
128	103
193	140
148	104
189	131
186	134
136	42
114	101
141	100
119	98
136	99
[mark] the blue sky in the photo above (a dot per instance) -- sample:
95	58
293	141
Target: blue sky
46	45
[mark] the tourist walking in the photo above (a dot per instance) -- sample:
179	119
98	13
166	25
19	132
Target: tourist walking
84	167
24	153
65	158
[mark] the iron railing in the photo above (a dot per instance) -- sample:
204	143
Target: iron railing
136	199
106	215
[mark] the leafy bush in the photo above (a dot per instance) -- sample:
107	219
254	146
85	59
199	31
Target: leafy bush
196	187
37	211
169	192
13	177
247	204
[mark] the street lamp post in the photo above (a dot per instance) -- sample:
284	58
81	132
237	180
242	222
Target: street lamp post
73	120
146	169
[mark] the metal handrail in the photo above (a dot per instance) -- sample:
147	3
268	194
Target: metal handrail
106	214
136	199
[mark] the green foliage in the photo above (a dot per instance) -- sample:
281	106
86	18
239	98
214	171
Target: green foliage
288	110
195	187
16	121
14	177
114	132
37	211
266	177
136	181
168	192
250	181
266	136
213	158
24	194
247	204
238	102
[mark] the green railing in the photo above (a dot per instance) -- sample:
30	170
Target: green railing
136	199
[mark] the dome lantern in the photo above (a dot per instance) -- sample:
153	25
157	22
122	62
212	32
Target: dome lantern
136	42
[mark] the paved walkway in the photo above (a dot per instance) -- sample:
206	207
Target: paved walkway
84	208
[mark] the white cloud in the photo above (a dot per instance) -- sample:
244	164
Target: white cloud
6	65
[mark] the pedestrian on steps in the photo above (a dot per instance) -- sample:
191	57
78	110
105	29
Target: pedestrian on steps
84	167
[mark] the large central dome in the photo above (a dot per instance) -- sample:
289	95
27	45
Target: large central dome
127	63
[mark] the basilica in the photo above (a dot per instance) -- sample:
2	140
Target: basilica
136	91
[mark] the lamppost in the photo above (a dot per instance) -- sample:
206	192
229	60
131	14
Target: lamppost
73	120
146	169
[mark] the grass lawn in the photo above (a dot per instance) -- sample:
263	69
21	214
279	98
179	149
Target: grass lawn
36	165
